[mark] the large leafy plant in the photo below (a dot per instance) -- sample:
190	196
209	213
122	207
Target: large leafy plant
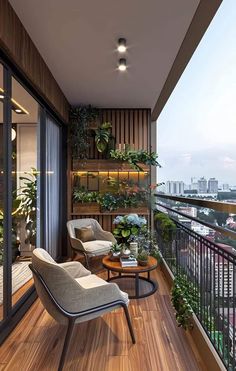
128	227
28	204
165	226
135	158
103	136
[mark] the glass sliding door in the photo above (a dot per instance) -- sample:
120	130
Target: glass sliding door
25	190
52	191
1	192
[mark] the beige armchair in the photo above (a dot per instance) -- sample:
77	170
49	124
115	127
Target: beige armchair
100	246
71	294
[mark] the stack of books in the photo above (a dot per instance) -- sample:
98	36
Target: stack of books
128	262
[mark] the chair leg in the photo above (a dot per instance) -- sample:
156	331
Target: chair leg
66	343
87	261
131	331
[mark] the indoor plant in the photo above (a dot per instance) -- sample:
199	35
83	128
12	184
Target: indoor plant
142	257
103	136
116	251
128	227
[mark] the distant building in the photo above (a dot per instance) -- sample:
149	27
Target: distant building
225	187
175	187
191	211
212	185
194	184
202	185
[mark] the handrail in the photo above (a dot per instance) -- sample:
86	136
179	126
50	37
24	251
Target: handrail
226	232
226	207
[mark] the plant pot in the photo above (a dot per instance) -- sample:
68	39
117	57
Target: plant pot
143	263
86	207
115	257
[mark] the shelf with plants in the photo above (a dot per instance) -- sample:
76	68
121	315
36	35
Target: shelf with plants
110	192
110	162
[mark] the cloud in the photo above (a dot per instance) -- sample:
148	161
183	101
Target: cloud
229	163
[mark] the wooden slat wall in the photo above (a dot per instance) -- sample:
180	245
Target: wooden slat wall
129	126
18	46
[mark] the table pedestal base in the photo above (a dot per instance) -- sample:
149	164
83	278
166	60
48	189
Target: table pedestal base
136	286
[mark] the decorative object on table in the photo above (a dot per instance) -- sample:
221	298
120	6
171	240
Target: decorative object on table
129	261
134	248
136	157
126	252
142	258
128	227
115	251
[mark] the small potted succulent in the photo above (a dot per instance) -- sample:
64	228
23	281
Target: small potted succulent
142	257
115	251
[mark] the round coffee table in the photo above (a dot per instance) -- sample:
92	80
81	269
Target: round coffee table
129	277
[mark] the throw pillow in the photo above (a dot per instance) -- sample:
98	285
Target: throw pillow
85	234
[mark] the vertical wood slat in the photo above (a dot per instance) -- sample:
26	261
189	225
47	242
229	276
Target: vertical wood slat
129	126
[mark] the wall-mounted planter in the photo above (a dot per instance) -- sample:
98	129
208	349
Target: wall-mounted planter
87	207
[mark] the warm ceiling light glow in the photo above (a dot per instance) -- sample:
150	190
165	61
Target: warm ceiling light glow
121	45
1	96
18	110
122	64
15	105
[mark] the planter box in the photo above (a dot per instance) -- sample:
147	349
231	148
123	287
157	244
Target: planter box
129	210
104	165
87	207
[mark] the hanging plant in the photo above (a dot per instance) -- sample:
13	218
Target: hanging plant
102	136
80	119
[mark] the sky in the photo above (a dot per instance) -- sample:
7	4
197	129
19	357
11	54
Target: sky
197	127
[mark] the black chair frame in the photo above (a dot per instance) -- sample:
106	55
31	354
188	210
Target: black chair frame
72	317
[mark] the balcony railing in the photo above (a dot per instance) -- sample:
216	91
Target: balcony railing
209	269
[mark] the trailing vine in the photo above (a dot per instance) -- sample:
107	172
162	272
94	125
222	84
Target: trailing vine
185	300
80	119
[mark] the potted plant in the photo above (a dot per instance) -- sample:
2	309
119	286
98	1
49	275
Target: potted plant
142	258
128	227
115	251
84	201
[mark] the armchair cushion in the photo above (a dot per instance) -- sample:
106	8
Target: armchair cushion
85	234
75	269
97	247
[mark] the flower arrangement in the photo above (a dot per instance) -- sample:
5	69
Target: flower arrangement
128	227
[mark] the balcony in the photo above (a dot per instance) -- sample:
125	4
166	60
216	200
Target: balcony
104	343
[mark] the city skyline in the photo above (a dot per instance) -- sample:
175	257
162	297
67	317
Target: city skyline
197	128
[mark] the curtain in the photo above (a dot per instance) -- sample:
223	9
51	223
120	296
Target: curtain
52	192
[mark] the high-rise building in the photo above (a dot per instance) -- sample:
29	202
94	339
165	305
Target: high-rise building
175	187
194	184
202	185
225	187
212	185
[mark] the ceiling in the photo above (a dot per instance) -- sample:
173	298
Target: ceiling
77	40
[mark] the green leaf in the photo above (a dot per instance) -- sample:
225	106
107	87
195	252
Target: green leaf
125	232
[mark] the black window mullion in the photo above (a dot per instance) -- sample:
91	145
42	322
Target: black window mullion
7	202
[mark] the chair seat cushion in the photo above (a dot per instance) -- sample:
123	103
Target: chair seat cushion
88	282
97	247
91	281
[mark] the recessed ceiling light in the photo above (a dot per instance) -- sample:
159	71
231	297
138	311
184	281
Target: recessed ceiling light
122	64
121	45
18	110
1	96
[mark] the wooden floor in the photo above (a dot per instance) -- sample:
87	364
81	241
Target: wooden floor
103	344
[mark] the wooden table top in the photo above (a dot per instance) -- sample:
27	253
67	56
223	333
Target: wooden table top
116	266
